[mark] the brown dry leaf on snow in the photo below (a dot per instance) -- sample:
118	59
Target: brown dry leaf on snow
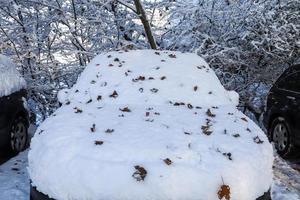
93	128
209	113
114	94
172	56
257	140
224	192
140	173
190	106
125	109
98	142
78	110
89	101
109	130
244	119
154	90
168	161
205	130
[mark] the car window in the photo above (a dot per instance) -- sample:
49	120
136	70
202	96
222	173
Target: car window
291	82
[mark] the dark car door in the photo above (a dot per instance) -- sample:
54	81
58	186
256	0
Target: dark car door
288	89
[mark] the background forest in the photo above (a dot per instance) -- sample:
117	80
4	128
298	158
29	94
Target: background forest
247	42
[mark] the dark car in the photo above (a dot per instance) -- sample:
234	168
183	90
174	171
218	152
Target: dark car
13	122
283	112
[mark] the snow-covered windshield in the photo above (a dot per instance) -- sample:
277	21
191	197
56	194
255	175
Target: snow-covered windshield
151	78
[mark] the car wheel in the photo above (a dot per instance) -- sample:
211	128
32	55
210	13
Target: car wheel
18	135
281	136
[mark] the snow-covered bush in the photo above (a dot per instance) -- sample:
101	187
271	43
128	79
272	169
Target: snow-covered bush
143	124
248	43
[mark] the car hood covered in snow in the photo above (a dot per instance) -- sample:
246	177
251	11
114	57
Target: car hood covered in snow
149	125
10	79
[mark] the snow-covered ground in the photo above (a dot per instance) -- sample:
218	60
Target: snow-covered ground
14	183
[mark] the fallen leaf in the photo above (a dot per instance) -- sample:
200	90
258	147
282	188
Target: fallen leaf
93	128
89	101
228	155
114	94
98	142
195	88
205	130
224	192
244	119
125	109
140	173
172	55
190	106
109	130
154	90
168	161
78	110
209	113
257	140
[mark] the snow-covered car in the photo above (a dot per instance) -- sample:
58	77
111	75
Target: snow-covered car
13	108
150	125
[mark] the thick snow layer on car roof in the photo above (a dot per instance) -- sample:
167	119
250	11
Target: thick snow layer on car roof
149	125
10	79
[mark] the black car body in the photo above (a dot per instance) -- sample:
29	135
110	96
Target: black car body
36	195
283	111
14	121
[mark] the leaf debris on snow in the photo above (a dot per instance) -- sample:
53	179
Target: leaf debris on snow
93	128
78	110
98	142
172	55
140	173
114	94
257	140
224	192
168	161
154	90
195	88
109	130
125	109
209	113
99	97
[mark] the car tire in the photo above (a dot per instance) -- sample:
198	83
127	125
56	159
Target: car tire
18	135
282	137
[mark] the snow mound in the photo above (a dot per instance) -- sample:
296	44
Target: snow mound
10	79
149	125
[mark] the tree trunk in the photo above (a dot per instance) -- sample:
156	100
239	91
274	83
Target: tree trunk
142	15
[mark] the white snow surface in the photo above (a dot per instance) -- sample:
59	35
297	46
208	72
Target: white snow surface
14	180
10	79
147	108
